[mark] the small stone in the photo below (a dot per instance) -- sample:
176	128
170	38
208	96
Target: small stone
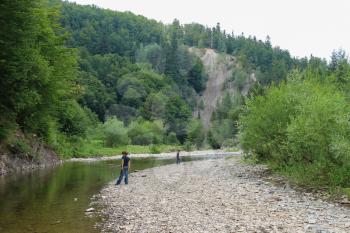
57	222
90	210
312	221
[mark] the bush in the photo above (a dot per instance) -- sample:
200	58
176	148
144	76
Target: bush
195	133
263	124
188	146
75	120
19	147
229	143
240	78
214	140
302	127
154	149
144	132
7	124
114	133
171	139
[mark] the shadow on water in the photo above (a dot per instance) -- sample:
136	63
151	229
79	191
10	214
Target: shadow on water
54	200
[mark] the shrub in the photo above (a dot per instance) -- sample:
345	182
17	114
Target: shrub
172	139
115	133
195	133
144	132
240	78
154	149
264	121
75	120
188	146
214	140
229	143
302	127
7	124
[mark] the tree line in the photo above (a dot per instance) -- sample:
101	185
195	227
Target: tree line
72	74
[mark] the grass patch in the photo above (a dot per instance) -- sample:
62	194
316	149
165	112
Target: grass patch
346	191
314	181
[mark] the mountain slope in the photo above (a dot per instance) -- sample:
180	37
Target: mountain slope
219	68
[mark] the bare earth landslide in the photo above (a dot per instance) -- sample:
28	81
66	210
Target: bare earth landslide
219	68
216	195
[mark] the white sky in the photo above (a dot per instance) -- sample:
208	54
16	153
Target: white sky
303	27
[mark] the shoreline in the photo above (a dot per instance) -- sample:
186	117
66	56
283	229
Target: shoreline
19	166
166	155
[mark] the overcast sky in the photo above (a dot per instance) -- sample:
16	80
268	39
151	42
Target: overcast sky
303	27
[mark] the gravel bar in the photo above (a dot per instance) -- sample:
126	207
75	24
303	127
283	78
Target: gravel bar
214	195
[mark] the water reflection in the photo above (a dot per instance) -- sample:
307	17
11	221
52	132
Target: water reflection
54	200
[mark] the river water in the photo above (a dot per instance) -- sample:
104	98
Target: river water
54	200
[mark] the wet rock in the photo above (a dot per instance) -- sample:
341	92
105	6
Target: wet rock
90	209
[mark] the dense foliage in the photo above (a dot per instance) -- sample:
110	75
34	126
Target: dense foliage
77	76
302	126
134	67
37	86
224	121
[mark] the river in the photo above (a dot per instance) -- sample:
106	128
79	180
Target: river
54	200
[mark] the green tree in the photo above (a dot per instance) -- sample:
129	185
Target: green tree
143	132
114	133
177	114
171	64
195	133
37	71
301	127
197	76
154	55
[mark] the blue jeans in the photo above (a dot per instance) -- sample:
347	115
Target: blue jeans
123	172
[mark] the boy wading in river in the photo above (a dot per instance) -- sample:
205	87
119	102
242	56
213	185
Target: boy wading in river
125	166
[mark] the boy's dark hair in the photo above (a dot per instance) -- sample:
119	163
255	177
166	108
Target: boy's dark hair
124	153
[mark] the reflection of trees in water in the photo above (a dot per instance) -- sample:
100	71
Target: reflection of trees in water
35	201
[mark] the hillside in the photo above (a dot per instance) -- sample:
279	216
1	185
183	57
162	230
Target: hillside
219	69
92	69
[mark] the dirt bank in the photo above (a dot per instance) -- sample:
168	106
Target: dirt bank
25	154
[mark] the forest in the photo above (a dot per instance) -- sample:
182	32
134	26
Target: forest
84	80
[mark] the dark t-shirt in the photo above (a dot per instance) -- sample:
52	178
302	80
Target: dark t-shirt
126	160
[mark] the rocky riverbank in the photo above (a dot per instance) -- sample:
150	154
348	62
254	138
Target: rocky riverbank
218	195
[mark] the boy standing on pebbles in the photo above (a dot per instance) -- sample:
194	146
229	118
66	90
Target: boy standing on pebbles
125	166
